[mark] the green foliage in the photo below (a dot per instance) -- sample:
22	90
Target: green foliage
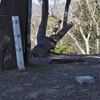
83	11
84	18
66	46
64	49
46	67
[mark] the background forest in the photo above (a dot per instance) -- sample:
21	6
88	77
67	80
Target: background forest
84	37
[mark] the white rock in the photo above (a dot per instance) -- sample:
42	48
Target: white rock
84	79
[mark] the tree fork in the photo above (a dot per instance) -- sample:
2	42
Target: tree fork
45	44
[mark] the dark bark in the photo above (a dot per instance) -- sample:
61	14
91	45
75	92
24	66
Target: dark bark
45	44
27	37
64	61
10	8
43	24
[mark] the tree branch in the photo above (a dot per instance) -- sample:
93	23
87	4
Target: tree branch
78	45
43	24
57	25
66	26
45	44
66	12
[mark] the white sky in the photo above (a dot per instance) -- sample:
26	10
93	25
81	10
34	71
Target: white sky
32	1
36	1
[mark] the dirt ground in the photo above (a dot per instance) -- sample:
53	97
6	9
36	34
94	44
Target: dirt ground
52	82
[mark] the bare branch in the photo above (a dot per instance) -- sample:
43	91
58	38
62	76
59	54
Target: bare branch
77	43
57	25
97	5
66	12
53	15
66	26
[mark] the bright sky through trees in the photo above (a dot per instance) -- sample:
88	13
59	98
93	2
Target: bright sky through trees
50	1
36	1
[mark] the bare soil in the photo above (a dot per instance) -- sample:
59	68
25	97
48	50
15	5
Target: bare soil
52	81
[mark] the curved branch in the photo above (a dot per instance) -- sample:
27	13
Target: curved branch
66	26
66	12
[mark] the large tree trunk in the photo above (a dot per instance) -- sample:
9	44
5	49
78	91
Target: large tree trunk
8	9
45	44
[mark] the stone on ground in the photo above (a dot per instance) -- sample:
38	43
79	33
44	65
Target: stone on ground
84	79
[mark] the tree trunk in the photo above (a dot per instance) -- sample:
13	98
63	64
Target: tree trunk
45	44
8	9
97	26
27	39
